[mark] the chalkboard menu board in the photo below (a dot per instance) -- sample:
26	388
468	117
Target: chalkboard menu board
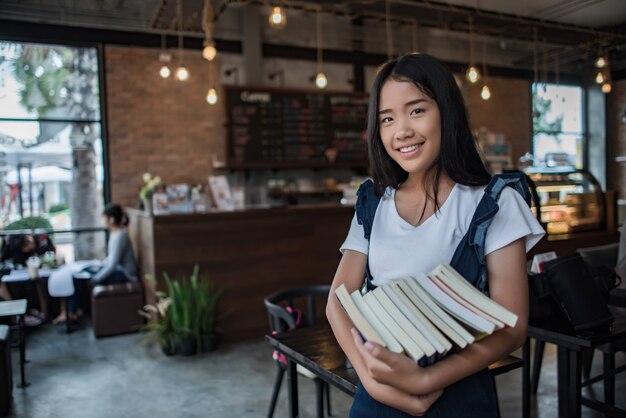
289	128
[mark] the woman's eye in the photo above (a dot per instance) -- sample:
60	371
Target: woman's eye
386	120
417	111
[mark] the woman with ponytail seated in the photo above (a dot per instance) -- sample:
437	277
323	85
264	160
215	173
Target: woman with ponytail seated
118	267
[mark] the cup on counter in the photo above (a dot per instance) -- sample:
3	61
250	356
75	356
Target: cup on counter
32	264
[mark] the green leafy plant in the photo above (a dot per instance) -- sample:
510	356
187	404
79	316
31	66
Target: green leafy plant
58	208
29	222
185	311
149	184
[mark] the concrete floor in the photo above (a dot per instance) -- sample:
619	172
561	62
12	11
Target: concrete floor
78	376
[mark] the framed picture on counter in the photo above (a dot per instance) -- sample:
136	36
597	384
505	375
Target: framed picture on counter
220	191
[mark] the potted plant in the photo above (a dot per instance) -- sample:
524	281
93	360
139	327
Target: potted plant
184	313
183	318
147	190
159	323
208	294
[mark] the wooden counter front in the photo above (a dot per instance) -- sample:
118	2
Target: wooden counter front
250	254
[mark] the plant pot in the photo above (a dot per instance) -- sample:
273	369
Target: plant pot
187	346
168	350
209	342
167	346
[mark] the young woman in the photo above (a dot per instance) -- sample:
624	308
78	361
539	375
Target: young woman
118	267
426	168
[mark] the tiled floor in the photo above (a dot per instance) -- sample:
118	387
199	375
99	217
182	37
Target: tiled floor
78	376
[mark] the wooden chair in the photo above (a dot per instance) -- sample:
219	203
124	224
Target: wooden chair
283	309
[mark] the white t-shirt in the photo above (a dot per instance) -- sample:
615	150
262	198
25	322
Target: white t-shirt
397	249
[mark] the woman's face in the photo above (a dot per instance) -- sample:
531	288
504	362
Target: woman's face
108	221
410	126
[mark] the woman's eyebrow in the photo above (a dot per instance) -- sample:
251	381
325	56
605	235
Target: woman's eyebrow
407	104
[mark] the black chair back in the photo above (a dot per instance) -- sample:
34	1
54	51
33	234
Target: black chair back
304	298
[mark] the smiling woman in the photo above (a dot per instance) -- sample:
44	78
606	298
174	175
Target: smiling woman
427	183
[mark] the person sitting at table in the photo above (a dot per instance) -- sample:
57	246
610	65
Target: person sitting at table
118	267
19	248
16	250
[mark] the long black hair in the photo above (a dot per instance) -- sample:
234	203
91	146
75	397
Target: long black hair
458	158
117	213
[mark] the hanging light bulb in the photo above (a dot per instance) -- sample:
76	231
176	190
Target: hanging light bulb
599	77
182	74
485	93
472	74
211	96
164	58
320	80
164	72
278	18
606	88
209	52
600	62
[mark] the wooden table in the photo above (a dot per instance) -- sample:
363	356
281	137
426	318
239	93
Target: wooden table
316	349
17	308
569	349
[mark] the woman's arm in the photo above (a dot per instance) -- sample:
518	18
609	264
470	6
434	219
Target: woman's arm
508	285
351	272
116	245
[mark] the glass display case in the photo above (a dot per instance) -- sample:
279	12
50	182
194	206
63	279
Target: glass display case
568	200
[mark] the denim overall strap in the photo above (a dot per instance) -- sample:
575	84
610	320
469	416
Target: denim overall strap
366	205
469	256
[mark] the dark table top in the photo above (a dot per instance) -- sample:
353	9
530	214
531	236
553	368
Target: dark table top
559	334
317	349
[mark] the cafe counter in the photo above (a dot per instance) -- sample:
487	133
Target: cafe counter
249	254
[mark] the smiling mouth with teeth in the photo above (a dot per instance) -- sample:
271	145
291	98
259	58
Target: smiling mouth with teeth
411	147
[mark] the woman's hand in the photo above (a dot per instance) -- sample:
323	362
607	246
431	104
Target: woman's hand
415	405
393	369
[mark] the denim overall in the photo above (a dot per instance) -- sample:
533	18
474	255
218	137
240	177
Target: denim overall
474	396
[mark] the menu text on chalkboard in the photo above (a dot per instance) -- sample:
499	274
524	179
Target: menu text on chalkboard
276	128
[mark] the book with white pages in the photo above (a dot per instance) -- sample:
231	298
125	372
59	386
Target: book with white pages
410	347
458	283
432	334
404	323
442	320
390	341
361	324
452	306
436	279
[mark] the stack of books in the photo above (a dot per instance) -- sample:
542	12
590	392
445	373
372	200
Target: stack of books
425	316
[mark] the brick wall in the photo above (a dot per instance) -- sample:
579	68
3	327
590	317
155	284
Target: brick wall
165	127
161	126
508	110
616	137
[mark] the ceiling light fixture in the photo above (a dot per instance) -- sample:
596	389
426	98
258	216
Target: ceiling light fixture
472	74
181	74
485	93
320	79
600	62
278	18
164	58
209	51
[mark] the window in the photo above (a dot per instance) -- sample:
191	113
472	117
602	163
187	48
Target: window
557	125
50	137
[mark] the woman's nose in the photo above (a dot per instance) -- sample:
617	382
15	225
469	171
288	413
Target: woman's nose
403	132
